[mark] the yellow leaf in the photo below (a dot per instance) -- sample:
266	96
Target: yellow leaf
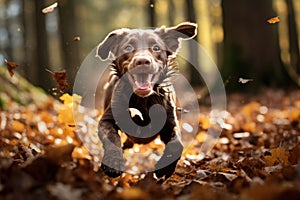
273	20
65	115
201	136
67	99
294	115
297	104
46	117
66	111
249	127
18	126
81	153
134	193
250	108
204	122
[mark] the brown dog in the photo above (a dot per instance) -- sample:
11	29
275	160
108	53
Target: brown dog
143	62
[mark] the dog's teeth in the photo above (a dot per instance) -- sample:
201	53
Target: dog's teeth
150	77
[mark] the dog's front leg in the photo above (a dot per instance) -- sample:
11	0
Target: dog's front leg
166	165
112	162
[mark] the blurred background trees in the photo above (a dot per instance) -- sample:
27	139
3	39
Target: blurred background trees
234	33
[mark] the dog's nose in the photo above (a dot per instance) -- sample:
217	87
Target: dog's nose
142	61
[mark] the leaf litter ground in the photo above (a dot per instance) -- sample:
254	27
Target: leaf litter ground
256	156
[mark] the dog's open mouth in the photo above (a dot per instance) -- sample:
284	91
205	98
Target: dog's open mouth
142	83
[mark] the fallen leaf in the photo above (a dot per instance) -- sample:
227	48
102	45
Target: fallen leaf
228	176
250	167
251	108
61	80
64	192
273	169
277	155
294	156
250	127
134	193
18	126
273	20
244	81
50	8
294	115
59	154
10	67
204	122
42	169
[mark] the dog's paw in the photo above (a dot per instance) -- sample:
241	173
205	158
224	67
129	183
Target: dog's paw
112	166
166	165
163	170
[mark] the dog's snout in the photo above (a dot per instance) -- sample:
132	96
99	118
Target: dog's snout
142	61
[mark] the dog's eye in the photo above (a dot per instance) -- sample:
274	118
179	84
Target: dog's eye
128	48
156	48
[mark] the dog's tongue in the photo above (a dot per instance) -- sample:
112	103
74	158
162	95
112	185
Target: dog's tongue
142	81
142	86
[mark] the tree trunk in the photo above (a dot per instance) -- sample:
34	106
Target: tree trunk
151	10
195	78
293	36
42	46
24	32
68	31
7	24
29	37
171	12
251	48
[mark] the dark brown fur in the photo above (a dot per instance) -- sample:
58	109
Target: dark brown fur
143	61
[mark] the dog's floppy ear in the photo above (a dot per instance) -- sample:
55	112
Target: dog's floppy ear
172	36
108	47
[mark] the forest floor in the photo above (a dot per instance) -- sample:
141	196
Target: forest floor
256	156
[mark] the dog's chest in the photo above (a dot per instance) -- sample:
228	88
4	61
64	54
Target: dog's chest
139	108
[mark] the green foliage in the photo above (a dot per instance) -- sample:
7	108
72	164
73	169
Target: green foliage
2	103
17	89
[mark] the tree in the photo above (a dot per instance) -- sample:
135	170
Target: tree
251	48
41	45
68	30
151	10
294	67
7	23
28	22
171	12
195	79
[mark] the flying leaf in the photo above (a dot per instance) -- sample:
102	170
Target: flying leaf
244	81
10	67
61	80
273	20
76	38
50	8
67	99
66	111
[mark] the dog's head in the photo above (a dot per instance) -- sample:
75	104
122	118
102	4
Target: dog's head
142	55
